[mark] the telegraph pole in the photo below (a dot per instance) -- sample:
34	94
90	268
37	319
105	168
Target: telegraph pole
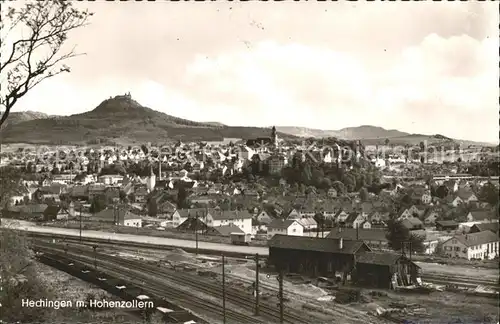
196	233
224	289
80	223
257	284
280	295
95	256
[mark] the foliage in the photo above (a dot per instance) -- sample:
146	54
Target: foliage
397	234
98	204
38	55
363	194
9	181
489	193
113	169
182	198
152	208
19	280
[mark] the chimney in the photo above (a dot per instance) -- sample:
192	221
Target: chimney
341	243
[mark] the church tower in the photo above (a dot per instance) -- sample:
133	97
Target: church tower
151	181
274	137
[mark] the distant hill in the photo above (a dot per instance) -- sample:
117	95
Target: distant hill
373	135
21	116
122	120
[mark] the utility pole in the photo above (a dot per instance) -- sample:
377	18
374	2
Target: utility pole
224	289
196	232
95	256
80	223
280	295
257	284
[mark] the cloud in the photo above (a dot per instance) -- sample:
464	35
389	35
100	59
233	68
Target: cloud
352	64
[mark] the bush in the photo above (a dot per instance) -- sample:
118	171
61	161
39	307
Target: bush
19	280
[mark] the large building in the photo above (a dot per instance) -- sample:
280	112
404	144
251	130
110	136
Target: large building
480	245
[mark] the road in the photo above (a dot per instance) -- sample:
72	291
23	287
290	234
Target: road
171	242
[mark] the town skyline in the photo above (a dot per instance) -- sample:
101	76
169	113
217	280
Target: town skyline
254	68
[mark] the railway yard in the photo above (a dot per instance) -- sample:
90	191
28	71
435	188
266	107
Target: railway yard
193	284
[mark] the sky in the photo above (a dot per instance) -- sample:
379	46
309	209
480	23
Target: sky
420	67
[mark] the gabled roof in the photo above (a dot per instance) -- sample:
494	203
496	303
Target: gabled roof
226	230
446	223
315	244
191	212
362	233
486	227
281	223
230	214
379	258
476	238
482	215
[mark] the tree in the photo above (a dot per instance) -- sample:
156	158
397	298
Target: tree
398	234
320	220
442	191
39	55
152	207
9	182
339	186
363	194
19	279
386	141
489	193
98	204
181	198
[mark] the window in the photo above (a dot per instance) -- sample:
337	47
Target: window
457	248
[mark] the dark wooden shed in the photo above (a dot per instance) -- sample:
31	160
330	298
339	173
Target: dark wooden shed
446	225
379	269
314	256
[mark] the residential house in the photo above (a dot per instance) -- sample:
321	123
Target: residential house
264	218
405	214
431	215
412	224
119	216
180	215
421	196
454	201
480	245
284	227
354	220
479	217
110	179
64	178
467	196
242	219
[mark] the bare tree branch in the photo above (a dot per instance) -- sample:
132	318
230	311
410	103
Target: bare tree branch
40	56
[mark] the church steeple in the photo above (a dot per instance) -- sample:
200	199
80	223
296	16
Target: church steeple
274	136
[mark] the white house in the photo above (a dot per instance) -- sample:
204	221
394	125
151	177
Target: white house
242	219
180	215
110	179
132	220
481	245
284	227
479	217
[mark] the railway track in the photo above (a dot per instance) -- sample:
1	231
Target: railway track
160	289
459	280
240	299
